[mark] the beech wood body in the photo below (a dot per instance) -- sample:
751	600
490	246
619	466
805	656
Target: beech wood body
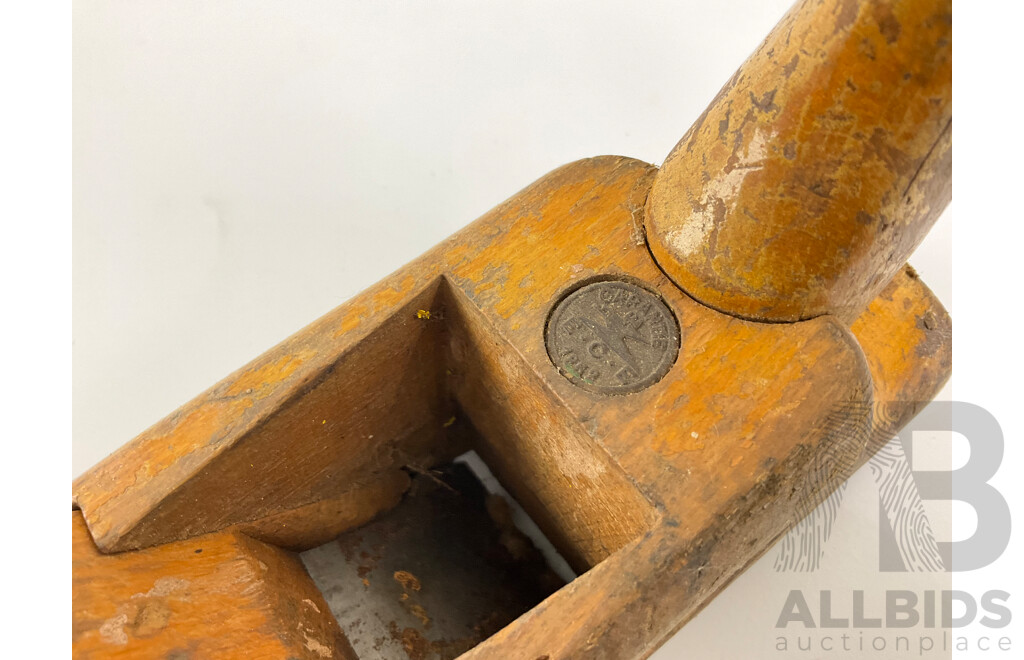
658	498
663	495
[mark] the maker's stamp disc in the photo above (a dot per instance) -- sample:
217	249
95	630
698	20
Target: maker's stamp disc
612	337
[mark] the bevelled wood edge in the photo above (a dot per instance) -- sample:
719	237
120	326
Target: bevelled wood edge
219	595
356	394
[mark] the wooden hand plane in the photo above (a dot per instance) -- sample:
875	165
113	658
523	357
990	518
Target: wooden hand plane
665	367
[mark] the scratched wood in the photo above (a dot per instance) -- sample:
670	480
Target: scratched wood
710	447
907	338
355	402
684	478
662	496
818	167
213	596
688	470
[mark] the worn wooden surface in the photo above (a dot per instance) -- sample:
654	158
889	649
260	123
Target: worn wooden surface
665	494
819	166
214	596
661	496
907	338
349	398
712	447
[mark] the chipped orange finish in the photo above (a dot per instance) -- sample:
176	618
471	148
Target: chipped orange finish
550	228
351	319
906	335
133	498
212	597
392	295
818	168
186	438
659	498
693	464
258	381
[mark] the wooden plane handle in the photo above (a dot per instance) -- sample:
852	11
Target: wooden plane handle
818	168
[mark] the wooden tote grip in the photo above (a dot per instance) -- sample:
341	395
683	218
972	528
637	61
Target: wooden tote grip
819	166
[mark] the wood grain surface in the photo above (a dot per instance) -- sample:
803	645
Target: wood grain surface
810	178
663	495
215	596
819	166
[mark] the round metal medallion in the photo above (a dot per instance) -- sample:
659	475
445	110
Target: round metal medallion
612	337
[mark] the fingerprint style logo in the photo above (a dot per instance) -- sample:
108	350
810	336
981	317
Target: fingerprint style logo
848	440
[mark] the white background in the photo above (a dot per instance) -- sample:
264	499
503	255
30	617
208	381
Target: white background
241	168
